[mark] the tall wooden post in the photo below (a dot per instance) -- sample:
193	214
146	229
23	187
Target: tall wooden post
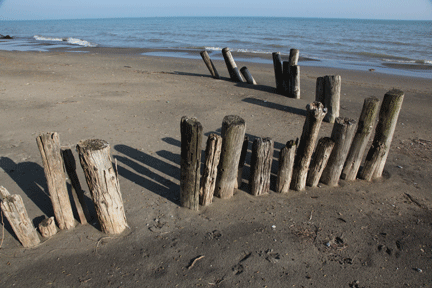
319	90
208	179
319	161
365	127
233	133
286	85
315	114
261	162
231	66
191	138
49	147
294	82
103	183
277	64
294	57
332	88
242	161
378	153
286	164
209	64
248	76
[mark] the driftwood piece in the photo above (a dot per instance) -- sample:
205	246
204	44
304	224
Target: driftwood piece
77	192
49	147
261	162
248	76
319	161
47	227
319	90
191	140
294	82
208	179
231	66
361	138
315	114
209	63
342	134
286	165
103	183
294	57
242	162
14	210
378	153
233	133
332	88
277	64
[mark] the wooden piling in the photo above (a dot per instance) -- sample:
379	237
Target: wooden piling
342	134
286	165
47	227
319	161
49	147
294	57
332	88
242	162
378	152
248	76
231	66
365	127
208	179
315	114
233	133
102	180
191	139
14	210
209	63
294	82
261	162
319	90
277	64
286	78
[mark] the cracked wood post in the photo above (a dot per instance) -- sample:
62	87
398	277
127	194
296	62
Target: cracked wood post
277	65
293	57
209	63
319	90
315	114
286	165
361	138
77	192
208	179
233	133
47	227
319	161
231	66
378	152
342	134
190	178
248	76
102	180
49	147
261	162
14	210
294	82
332	88
242	162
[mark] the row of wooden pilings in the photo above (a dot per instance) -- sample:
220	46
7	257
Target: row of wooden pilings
101	178
300	163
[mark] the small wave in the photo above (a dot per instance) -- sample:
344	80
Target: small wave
70	40
213	48
422	62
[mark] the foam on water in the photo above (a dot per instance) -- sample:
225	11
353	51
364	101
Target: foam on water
70	40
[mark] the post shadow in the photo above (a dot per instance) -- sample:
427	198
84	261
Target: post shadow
172	141
276	106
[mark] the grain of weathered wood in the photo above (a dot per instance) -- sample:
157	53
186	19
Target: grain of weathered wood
47	227
286	165
209	63
242	162
319	161
261	162
102	180
248	76
208	179
294	82
277	65
294	57
231	66
49	147
332	88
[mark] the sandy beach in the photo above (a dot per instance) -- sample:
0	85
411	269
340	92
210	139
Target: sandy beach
360	234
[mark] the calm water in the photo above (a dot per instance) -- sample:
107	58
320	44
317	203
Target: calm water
345	43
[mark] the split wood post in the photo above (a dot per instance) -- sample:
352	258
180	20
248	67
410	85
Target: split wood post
319	90
286	165
277	64
242	162
294	57
261	162
365	127
208	179
315	114
378	152
102	180
14	210
294	82
332	88
77	192
209	64
231	66
191	140
49	147
248	76
47	227
319	161
233	133
342	134
286	78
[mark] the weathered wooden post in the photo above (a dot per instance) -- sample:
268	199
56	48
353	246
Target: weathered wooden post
378	153
315	114
47	227
286	78
319	90
208	179
294	82
231	65
103	183
332	88
77	192
248	76
277	64
242	161
49	147
14	210
209	64
233	133
319	161
286	165
261	162
294	57
191	139
361	138
342	134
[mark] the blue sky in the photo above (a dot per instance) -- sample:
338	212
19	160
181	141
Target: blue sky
76	9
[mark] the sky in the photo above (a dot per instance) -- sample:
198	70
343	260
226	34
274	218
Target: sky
78	9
